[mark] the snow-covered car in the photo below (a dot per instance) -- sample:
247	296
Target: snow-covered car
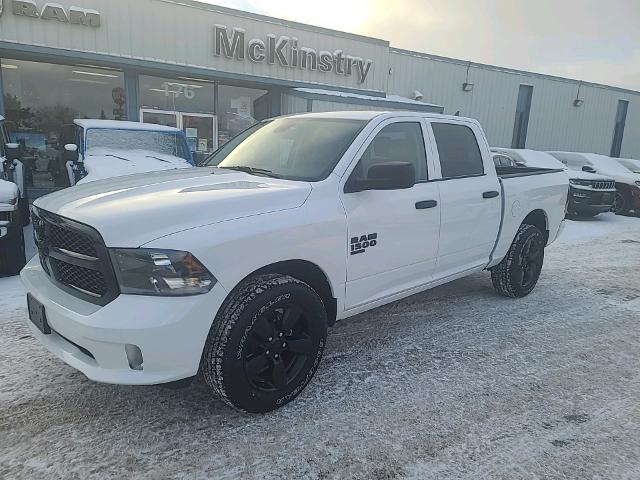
106	148
12	250
630	164
236	271
589	194
627	196
13	170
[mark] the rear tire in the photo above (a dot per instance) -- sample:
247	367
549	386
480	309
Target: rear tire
266	343
518	273
12	251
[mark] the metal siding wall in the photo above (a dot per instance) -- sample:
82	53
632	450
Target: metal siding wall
293	104
554	124
173	33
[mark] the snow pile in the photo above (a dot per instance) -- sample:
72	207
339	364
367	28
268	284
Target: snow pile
103	163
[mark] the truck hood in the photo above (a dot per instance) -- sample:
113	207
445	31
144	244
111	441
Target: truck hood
101	163
133	210
578	175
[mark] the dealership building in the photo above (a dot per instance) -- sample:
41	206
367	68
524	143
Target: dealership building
212	71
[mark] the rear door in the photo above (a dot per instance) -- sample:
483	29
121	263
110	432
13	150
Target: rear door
393	234
469	197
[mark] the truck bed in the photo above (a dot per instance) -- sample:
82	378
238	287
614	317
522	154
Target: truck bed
512	172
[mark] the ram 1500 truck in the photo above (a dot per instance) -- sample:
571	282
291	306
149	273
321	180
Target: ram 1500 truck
235	271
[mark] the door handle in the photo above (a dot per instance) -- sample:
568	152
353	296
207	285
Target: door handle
426	204
491	194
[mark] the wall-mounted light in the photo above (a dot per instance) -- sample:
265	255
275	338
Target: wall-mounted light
467	86
417	95
578	102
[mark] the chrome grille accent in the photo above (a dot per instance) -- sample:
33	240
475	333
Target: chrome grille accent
603	185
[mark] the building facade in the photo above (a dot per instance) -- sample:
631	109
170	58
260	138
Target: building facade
213	71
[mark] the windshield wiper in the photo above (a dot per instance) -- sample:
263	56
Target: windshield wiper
253	170
116	156
151	156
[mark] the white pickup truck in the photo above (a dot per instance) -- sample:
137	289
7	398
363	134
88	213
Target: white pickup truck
235	271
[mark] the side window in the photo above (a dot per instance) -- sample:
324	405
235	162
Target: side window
398	142
458	149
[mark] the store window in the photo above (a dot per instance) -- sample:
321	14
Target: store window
176	94
185	103
238	109
42	100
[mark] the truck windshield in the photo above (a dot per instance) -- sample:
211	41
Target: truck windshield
100	140
292	148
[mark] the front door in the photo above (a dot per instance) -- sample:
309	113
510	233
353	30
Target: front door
393	234
201	129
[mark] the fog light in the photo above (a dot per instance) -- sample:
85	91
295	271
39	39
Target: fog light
134	356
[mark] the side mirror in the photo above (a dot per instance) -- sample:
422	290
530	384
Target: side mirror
13	151
588	169
71	152
384	176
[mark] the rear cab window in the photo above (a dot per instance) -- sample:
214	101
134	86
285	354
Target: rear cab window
458	150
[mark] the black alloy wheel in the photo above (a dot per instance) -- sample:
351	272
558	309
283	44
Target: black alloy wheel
266	343
529	263
278	348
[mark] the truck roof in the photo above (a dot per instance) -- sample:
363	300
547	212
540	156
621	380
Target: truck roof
122	125
369	115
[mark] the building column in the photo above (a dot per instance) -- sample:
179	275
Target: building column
131	87
1	93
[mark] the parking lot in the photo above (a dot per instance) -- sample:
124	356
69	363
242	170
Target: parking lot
457	382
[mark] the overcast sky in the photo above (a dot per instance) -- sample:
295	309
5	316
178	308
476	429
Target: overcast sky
591	40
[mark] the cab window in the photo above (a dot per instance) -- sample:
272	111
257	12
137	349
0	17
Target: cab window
458	150
398	142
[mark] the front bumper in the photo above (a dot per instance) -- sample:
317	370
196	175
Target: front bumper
583	200
170	332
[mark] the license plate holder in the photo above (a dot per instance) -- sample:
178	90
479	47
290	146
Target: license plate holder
37	315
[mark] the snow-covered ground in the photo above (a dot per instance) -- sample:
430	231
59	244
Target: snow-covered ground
457	382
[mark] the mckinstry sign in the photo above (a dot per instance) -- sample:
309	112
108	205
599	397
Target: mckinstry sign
54	11
287	52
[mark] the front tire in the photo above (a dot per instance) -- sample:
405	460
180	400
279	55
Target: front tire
622	203
518	273
266	343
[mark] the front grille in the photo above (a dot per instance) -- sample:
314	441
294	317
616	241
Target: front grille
75	257
603	185
81	278
8	216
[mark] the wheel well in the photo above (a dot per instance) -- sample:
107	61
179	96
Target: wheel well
312	275
538	218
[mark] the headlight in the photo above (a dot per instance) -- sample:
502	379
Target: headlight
149	271
584	183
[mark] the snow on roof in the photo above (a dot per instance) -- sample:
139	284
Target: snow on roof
387	99
122	125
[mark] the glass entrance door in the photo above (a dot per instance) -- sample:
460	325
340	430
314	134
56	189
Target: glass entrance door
201	129
201	132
